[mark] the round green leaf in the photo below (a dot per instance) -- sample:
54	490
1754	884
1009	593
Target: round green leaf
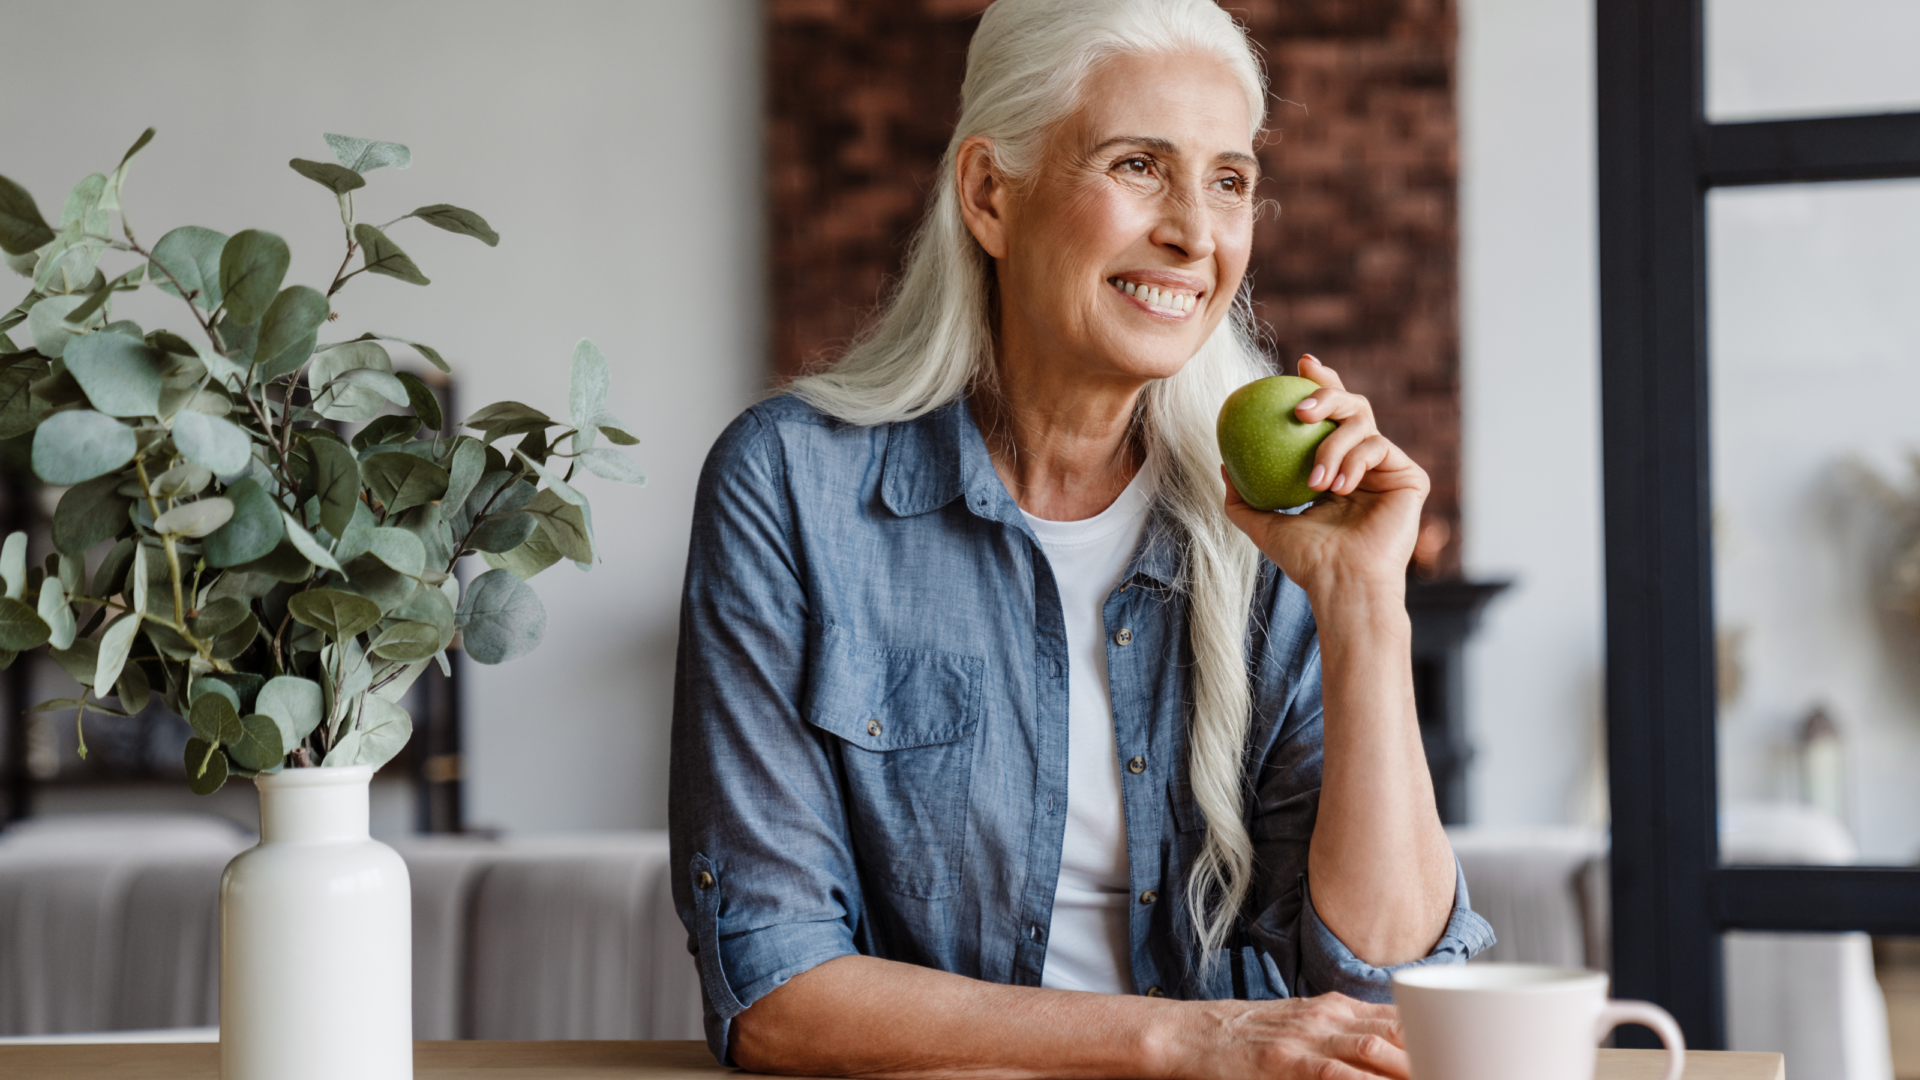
133	689
296	705
252	265
289	330
347	401
336	483
48	324
254	531
259	747
399	549
564	526
455	220
180	481
426	405
22	229
195	519
235	641
587	388
382	732
339	615
120	374
366	155
304	542
383	256
335	178
115	645
21	628
401	481
613	465
206	767
219	445
219	616
191	255
214	715
502	532
57	613
406	641
501	618
78	445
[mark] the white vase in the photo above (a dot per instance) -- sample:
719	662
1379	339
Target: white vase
316	954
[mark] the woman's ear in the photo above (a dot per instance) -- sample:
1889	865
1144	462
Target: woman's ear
983	195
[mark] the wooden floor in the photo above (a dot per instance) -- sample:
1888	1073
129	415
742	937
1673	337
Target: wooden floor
635	1061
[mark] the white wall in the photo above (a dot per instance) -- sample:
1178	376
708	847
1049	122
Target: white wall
615	147
1530	405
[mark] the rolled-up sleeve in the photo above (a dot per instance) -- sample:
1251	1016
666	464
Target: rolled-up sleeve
764	879
1328	966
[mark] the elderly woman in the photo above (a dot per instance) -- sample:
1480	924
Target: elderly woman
1008	741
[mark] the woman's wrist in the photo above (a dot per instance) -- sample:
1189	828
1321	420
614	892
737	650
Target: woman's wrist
1358	602
1180	1040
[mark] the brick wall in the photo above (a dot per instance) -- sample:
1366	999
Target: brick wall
1357	267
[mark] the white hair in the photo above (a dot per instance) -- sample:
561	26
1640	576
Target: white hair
933	343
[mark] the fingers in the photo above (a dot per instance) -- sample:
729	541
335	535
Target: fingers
1371	1053
1312	368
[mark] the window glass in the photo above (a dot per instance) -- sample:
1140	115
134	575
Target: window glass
1814	340
1770	59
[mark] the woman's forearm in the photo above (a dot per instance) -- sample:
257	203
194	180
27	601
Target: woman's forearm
863	1016
866	1017
1380	869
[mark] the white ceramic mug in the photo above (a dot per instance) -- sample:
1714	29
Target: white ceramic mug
1516	1021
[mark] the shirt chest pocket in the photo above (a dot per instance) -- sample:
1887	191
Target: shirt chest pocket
903	723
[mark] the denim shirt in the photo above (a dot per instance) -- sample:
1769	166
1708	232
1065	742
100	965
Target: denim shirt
870	731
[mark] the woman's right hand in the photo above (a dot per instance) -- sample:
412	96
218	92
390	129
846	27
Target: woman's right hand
1330	1037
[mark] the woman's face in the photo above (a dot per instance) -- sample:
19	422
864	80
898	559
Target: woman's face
1124	250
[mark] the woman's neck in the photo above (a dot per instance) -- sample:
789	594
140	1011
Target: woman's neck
1062	444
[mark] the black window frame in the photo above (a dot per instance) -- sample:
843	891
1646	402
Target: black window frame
1658	158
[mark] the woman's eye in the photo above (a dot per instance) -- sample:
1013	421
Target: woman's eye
1136	166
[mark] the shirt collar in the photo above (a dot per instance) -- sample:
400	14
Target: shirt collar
940	456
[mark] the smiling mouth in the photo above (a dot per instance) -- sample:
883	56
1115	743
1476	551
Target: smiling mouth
1157	299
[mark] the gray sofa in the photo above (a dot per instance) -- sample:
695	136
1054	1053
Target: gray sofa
110	923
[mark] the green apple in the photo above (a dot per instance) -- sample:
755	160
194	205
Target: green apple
1267	450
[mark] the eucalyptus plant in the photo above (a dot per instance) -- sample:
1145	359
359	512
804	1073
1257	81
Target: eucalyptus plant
262	528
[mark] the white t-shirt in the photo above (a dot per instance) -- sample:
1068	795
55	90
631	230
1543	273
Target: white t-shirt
1088	945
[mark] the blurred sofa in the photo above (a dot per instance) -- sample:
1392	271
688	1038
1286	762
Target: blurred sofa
111	923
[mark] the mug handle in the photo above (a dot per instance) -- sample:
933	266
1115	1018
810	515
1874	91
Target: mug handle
1616	1013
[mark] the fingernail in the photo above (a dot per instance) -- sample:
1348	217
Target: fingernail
1318	472
1304	406
1337	481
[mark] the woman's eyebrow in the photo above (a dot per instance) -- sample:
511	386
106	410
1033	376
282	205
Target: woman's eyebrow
1169	148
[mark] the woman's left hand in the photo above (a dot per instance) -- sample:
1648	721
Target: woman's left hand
1364	531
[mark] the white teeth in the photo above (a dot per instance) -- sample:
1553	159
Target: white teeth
1153	296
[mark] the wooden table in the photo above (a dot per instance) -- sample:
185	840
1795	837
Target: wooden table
636	1061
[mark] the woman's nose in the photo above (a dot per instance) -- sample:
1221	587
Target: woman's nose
1185	226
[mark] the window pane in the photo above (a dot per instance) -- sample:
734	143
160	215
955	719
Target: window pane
1775	58
1814	294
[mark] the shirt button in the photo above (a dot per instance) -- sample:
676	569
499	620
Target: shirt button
1123	637
873	727
705	880
1154	991
1137	766
1149	896
1036	933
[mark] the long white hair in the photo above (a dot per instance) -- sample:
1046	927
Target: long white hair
933	343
